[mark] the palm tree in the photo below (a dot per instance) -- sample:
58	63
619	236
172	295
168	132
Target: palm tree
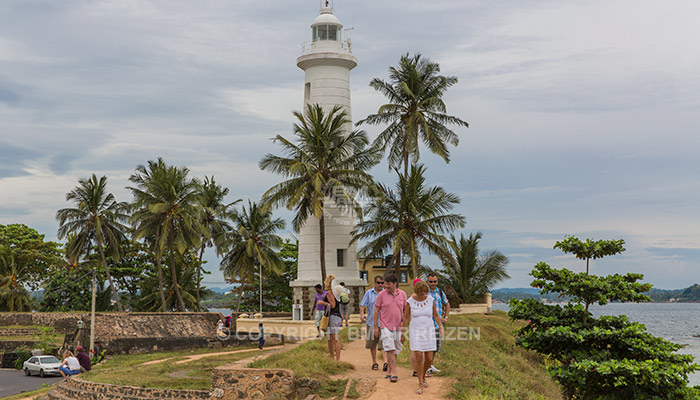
254	243
471	274
414	216
214	213
96	220
324	163
166	211
415	112
13	295
185	281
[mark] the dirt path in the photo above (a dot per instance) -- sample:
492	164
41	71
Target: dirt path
199	356
373	386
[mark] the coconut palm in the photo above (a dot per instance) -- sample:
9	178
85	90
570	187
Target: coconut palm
324	162
166	211
415	111
254	243
412	217
469	273
13	295
96	220
185	280
214	213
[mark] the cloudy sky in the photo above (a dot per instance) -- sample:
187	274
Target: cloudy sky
583	115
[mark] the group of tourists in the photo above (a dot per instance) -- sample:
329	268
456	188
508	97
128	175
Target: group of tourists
388	312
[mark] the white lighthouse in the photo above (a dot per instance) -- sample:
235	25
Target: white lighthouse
327	60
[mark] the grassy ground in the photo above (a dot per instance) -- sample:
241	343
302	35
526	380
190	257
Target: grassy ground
125	370
490	366
310	360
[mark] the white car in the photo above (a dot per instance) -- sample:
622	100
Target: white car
42	365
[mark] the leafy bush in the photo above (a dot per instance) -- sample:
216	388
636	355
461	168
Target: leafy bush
23	354
47	339
609	357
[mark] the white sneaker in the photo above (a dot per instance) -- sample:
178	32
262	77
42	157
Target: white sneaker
433	369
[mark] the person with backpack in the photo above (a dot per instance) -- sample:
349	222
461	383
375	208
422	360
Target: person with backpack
441	303
345	305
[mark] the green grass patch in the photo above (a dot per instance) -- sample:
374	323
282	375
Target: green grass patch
312	360
195	375
488	365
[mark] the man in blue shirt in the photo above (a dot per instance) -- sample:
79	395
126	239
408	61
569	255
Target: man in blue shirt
367	303
440	303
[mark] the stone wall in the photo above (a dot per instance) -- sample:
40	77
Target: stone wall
78	389
233	382
63	322
18	331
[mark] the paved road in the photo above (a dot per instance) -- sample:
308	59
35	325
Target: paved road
13	381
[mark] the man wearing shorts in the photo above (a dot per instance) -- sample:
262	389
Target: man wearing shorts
388	308
441	303
318	308
367	303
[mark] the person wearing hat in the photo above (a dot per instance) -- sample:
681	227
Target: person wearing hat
83	359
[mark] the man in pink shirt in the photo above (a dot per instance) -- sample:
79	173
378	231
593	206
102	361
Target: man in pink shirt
388	309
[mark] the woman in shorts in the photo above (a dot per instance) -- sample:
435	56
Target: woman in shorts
334	320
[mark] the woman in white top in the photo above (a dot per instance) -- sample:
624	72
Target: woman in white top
70	365
419	317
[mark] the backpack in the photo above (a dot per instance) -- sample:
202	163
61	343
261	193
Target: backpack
345	298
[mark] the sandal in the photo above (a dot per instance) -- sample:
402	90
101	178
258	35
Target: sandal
419	390
375	366
425	383
415	373
394	379
387	377
385	367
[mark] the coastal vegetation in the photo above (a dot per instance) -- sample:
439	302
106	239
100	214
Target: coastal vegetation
609	357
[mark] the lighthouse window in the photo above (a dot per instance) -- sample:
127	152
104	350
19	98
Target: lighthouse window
323	32
332	33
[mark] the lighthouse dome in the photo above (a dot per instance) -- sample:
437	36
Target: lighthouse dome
326	27
327	17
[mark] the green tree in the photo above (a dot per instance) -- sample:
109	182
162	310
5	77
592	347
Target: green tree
165	203
214	212
70	289
415	111
13	295
34	258
590	249
96	220
183	280
405	220
254	245
276	290
600	358
325	164
471	274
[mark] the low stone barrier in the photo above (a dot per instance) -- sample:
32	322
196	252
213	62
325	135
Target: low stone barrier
18	331
78	389
233	382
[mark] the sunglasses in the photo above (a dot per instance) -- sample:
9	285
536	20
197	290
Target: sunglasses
379	283
432	281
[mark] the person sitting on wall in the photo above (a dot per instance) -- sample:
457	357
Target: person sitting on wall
70	365
83	359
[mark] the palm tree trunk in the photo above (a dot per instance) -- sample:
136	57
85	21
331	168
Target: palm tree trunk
238	301
322	233
178	295
199	272
397	260
260	278
159	267
115	295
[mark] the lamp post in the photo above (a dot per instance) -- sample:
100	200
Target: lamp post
92	312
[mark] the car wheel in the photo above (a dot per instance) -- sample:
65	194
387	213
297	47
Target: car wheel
26	371
41	373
